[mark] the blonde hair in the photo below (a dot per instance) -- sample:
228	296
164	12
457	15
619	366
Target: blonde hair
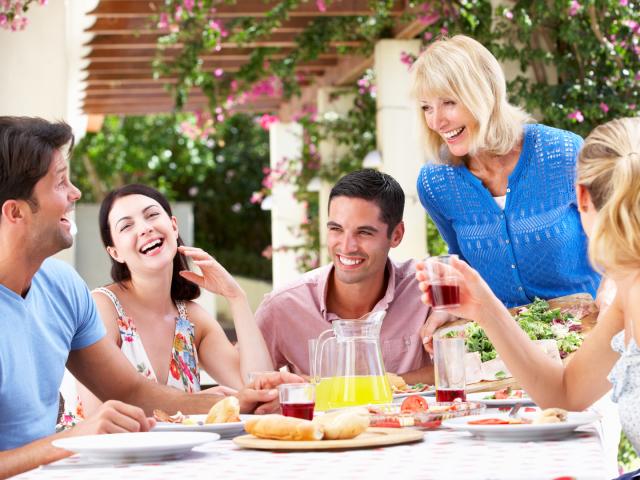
462	69
609	167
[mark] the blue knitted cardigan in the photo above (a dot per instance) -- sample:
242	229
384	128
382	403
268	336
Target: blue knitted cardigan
535	247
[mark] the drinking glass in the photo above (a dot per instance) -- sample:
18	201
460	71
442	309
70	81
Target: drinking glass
448	355
297	400
443	282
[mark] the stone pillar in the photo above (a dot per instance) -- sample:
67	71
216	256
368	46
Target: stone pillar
330	152
285	143
398	139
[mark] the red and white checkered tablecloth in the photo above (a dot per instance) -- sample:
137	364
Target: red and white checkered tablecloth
443	454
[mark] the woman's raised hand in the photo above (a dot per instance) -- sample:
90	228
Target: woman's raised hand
214	276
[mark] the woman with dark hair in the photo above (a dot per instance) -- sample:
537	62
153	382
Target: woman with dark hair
149	310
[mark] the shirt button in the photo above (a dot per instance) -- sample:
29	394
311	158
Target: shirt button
508	190
407	342
513	265
507	241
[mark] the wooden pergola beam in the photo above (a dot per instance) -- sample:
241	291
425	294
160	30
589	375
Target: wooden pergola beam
243	8
133	40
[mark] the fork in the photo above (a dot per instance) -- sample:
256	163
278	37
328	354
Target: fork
513	413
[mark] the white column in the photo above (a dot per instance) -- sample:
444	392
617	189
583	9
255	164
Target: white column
330	152
398	139
285	143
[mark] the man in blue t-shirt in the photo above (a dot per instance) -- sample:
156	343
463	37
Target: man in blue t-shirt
48	319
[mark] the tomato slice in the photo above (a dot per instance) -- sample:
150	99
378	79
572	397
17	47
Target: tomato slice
413	404
489	421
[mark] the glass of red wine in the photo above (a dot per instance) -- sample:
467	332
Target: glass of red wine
448	355
297	400
443	282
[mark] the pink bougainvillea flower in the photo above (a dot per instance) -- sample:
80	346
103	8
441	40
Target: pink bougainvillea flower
407	58
574	7
604	107
163	22
427	36
3	20
321	5
256	197
218	72
188	5
508	14
577	116
624	3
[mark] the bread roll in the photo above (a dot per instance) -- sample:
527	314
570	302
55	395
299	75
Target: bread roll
226	410
551	415
344	424
279	427
396	381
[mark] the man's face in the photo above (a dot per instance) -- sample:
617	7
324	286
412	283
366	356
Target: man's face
357	239
55	197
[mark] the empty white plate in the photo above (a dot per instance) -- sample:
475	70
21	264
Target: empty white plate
135	447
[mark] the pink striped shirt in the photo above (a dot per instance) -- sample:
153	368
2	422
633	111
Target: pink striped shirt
289	316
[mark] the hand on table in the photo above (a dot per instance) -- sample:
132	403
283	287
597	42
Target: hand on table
114	416
261	395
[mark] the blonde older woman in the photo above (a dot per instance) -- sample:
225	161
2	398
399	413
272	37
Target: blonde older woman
609	203
500	190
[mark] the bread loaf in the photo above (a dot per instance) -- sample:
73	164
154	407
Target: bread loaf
344	424
226	410
279	427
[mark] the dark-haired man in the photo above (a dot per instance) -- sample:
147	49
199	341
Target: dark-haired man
48	319
365	222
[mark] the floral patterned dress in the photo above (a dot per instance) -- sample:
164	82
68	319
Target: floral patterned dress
183	369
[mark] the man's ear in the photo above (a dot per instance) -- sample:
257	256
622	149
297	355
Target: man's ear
114	254
397	234
12	211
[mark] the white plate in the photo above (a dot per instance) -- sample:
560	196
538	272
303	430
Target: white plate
226	430
135	447
424	393
506	402
521	432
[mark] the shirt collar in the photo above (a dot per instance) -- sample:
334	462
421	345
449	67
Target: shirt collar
383	303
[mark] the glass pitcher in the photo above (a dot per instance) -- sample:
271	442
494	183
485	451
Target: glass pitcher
348	368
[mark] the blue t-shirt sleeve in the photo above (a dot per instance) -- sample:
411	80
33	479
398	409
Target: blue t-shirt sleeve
429	204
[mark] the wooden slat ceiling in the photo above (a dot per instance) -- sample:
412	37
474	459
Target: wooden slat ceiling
120	77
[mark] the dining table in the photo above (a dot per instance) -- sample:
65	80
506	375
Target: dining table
442	454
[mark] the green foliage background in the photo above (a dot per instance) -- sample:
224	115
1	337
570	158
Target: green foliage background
218	176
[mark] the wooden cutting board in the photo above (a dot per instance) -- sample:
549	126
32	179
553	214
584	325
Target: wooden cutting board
372	437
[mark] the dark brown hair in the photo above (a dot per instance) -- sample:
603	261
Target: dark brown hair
27	145
374	186
181	288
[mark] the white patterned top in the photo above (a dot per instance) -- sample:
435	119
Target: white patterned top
625	378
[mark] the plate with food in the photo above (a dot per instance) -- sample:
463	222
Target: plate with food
415	411
224	419
549	424
341	429
401	389
506	397
135	447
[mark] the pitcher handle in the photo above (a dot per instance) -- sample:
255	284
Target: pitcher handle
315	369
